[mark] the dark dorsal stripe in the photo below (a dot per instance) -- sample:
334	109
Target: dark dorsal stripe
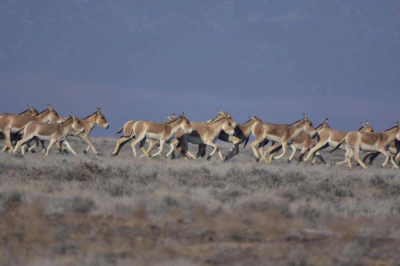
24	112
69	118
248	121
391	128
91	115
296	122
172	121
212	120
43	111
320	126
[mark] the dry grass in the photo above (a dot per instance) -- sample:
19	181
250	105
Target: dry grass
89	210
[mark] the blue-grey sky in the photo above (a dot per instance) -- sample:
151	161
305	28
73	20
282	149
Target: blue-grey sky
146	59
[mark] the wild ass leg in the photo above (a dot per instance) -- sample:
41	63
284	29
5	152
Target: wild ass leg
60	147
253	147
121	142
233	152
303	152
52	142
23	141
162	143
316	148
150	148
284	147
139	139
215	149
90	145
293	153
270	149
319	156
69	147
7	135
397	158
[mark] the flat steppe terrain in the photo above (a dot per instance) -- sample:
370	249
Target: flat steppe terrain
103	210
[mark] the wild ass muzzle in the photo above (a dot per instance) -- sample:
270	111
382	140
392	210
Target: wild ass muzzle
50	132
15	123
329	137
162	132
370	141
280	135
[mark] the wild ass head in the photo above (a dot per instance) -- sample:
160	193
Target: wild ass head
77	124
307	126
366	127
185	123
101	120
228	126
52	116
32	111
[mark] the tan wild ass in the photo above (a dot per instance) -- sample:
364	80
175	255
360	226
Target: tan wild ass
127	136
332	137
15	137
394	149
163	132
88	123
207	133
50	132
242	134
279	134
14	123
370	141
304	142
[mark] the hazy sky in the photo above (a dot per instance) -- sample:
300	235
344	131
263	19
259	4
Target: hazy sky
146	59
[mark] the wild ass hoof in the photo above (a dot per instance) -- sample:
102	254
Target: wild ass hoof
226	159
289	161
84	152
257	160
98	154
208	158
33	151
112	154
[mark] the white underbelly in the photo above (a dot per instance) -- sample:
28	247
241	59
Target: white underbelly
274	138
365	147
153	136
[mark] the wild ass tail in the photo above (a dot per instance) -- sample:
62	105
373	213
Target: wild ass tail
337	147
120	130
247	140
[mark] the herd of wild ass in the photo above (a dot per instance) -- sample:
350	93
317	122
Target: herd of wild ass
30	126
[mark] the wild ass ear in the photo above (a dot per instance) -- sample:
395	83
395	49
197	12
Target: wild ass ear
221	112
72	115
169	118
304	116
362	124
173	116
398	124
49	107
367	122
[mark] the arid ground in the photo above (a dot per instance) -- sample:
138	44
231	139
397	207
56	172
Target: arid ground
103	210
